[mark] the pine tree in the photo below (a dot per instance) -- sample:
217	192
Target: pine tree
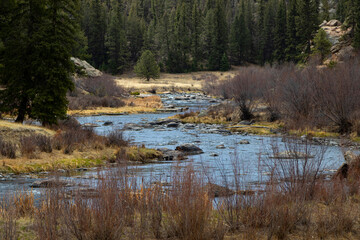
240	40
195	37
307	23
357	24
322	44
219	35
52	73
147	67
325	10
19	57
269	34
37	62
116	42
292	40
224	64
280	33
135	34
96	33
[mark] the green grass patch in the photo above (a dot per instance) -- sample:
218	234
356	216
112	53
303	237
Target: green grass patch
141	154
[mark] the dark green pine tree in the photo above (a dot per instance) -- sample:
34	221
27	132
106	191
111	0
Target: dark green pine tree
147	67
322	45
20	56
224	64
240	40
37	63
195	37
325	10
96	33
135	34
357	24
53	67
341	11
307	24
180	43
280	33
269	34
220	36
260	34
292	40
116	42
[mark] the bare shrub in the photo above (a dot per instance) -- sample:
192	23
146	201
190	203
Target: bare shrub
78	138
188	209
296	169
88	101
9	221
48	215
28	146
44	143
7	149
102	86
296	91
116	138
338	94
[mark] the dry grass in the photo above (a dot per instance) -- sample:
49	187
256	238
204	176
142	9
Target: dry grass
169	82
57	160
134	105
13	131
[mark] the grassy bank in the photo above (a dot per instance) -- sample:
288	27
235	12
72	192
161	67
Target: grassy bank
173	82
132	105
31	149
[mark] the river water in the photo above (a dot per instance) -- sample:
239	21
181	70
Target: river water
250	159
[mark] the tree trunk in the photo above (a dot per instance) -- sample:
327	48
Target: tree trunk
22	111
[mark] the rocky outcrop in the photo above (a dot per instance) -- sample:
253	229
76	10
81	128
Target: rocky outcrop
341	49
89	70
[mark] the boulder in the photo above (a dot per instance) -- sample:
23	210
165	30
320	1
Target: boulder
108	123
47	183
221	146
171	155
173	125
349	157
215	190
333	23
244	142
189	149
88	69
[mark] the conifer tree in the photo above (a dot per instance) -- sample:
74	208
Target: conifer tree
195	36
96	34
292	40
147	67
240	40
52	71
357	24
116	42
220	36
280	33
322	44
307	23
37	62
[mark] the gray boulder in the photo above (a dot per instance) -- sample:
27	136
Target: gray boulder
189	149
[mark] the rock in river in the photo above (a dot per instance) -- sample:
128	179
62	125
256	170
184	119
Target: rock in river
46	183
221	146
173	125
189	149
244	142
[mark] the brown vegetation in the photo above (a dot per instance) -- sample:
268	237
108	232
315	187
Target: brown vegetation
305	98
292	205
